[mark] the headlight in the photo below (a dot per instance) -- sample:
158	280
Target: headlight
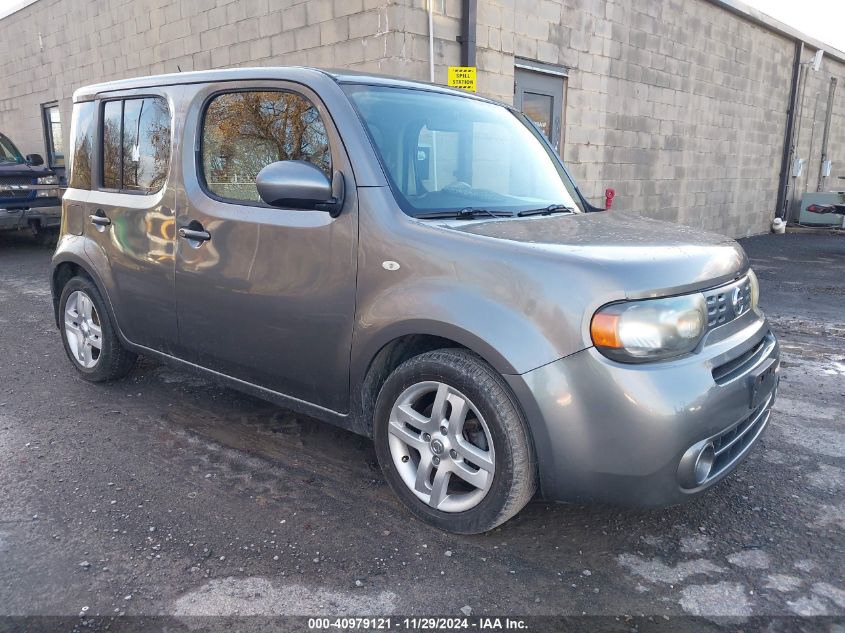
755	289
653	329
48	180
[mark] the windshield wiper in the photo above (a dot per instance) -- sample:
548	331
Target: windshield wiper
467	213
552	208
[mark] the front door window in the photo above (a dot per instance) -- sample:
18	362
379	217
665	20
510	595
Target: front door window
245	131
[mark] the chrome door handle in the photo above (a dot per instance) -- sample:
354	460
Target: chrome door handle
99	220
191	234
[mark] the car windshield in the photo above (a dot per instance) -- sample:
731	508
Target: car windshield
8	152
444	152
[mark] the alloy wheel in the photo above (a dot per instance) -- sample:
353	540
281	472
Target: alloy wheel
441	446
83	330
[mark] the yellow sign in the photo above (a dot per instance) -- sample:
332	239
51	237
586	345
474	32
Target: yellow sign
462	77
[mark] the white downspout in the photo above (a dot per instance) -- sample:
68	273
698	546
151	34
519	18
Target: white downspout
431	41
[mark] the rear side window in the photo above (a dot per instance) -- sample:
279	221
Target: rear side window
112	118
82	136
245	131
136	144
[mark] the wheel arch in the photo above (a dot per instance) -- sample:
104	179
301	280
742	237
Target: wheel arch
66	266
401	342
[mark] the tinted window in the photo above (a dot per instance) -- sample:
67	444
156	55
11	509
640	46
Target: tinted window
136	144
130	150
146	144
82	133
245	131
111	144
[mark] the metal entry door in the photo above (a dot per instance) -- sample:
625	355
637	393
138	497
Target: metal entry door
540	97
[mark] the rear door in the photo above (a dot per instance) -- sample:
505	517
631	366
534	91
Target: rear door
129	219
269	296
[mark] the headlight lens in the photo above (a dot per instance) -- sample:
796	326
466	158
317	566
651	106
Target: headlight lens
652	329
48	180
755	289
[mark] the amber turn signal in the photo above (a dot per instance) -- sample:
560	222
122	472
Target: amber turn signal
603	330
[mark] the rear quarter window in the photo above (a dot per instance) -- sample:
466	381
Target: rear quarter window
82	136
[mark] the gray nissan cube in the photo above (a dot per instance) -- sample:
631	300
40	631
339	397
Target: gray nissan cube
414	264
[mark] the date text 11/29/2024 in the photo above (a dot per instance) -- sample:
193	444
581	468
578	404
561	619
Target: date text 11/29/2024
416	624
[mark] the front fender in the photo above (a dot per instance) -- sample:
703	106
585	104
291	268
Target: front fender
498	333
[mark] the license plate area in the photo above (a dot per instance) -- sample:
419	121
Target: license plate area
762	381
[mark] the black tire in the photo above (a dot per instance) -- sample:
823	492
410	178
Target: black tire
514	481
47	237
114	361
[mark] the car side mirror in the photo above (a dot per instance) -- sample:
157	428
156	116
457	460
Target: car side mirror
297	184
34	159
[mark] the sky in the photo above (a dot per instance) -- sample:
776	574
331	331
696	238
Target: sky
823	20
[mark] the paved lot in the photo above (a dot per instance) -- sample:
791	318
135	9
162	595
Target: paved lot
167	494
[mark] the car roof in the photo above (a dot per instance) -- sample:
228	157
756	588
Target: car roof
293	73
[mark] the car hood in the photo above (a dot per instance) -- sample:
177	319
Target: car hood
22	169
644	257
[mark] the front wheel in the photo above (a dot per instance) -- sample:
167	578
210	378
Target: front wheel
452	443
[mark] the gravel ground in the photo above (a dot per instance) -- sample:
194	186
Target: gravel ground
165	494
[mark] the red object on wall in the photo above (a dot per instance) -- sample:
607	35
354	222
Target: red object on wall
608	198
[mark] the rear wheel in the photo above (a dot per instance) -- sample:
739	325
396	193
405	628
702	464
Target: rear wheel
45	236
88	335
452	443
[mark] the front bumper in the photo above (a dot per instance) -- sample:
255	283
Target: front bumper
46	212
621	433
52	206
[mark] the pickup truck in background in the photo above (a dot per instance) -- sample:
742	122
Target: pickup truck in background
30	193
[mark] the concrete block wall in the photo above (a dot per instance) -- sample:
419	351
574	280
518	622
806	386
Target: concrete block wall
810	130
677	104
52	47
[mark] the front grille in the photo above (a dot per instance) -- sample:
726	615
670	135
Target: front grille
16	180
737	367
731	444
726	303
16	194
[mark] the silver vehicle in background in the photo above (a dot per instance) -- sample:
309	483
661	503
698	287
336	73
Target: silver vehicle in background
414	264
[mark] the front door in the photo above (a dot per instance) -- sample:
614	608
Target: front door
265	294
540	97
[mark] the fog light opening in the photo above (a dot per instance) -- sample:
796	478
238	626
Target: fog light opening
704	463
